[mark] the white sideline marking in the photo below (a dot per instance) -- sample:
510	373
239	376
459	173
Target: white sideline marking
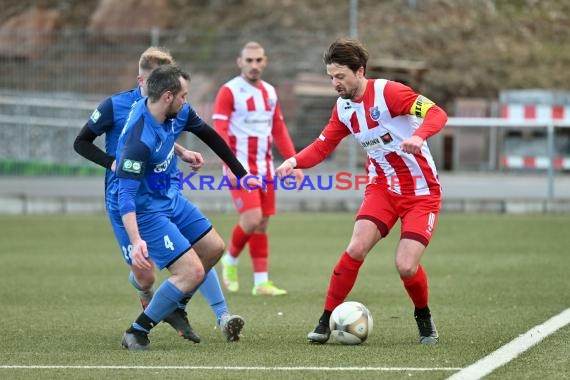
224	368
514	348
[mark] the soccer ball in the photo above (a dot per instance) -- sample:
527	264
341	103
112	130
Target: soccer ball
351	323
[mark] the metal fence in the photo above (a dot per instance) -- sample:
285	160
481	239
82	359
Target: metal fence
89	63
46	95
61	85
492	132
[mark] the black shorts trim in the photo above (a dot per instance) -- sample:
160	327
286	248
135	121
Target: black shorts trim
177	257
201	236
191	244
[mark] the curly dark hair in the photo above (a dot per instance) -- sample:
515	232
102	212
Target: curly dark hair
347	52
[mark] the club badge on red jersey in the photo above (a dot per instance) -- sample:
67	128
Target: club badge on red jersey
374	113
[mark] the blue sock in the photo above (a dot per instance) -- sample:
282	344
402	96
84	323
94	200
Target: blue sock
164	302
212	292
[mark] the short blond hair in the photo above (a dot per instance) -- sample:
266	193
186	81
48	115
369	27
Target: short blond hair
252	45
154	57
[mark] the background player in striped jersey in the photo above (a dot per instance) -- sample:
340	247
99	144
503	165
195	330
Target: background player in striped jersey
109	119
248	116
392	123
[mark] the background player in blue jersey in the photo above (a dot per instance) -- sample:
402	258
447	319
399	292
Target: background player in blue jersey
109	119
162	225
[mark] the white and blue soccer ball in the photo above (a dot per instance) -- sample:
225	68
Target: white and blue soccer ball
351	323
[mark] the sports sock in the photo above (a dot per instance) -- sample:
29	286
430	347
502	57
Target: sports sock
229	259
212	292
259	250
260	277
145	296
143	323
417	288
238	241
164	302
342	280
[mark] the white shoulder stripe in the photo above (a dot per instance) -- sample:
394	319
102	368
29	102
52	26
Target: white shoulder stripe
322	137
219	116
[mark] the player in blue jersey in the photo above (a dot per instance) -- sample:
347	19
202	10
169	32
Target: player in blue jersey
109	119
164	228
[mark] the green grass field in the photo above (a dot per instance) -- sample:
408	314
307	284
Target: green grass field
65	301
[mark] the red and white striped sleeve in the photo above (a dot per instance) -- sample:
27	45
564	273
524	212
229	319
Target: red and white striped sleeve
223	108
323	145
402	100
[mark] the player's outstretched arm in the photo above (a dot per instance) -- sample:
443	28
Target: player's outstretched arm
215	142
85	147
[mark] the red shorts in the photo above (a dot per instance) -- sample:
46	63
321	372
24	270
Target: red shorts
246	200
418	214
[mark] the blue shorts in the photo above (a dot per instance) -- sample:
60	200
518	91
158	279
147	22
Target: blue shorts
168	235
118	228
121	234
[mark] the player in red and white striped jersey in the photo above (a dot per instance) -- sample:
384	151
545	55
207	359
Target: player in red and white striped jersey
247	115
392	123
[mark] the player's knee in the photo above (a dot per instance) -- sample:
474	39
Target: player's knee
357	250
193	276
251	221
406	269
199	273
218	247
214	252
250	226
147	284
262	225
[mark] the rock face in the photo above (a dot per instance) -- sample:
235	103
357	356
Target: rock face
124	17
28	35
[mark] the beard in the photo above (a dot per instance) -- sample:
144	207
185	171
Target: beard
171	115
253	76
345	93
172	112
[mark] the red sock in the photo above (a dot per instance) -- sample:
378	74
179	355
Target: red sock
259	251
342	280
239	238
417	288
